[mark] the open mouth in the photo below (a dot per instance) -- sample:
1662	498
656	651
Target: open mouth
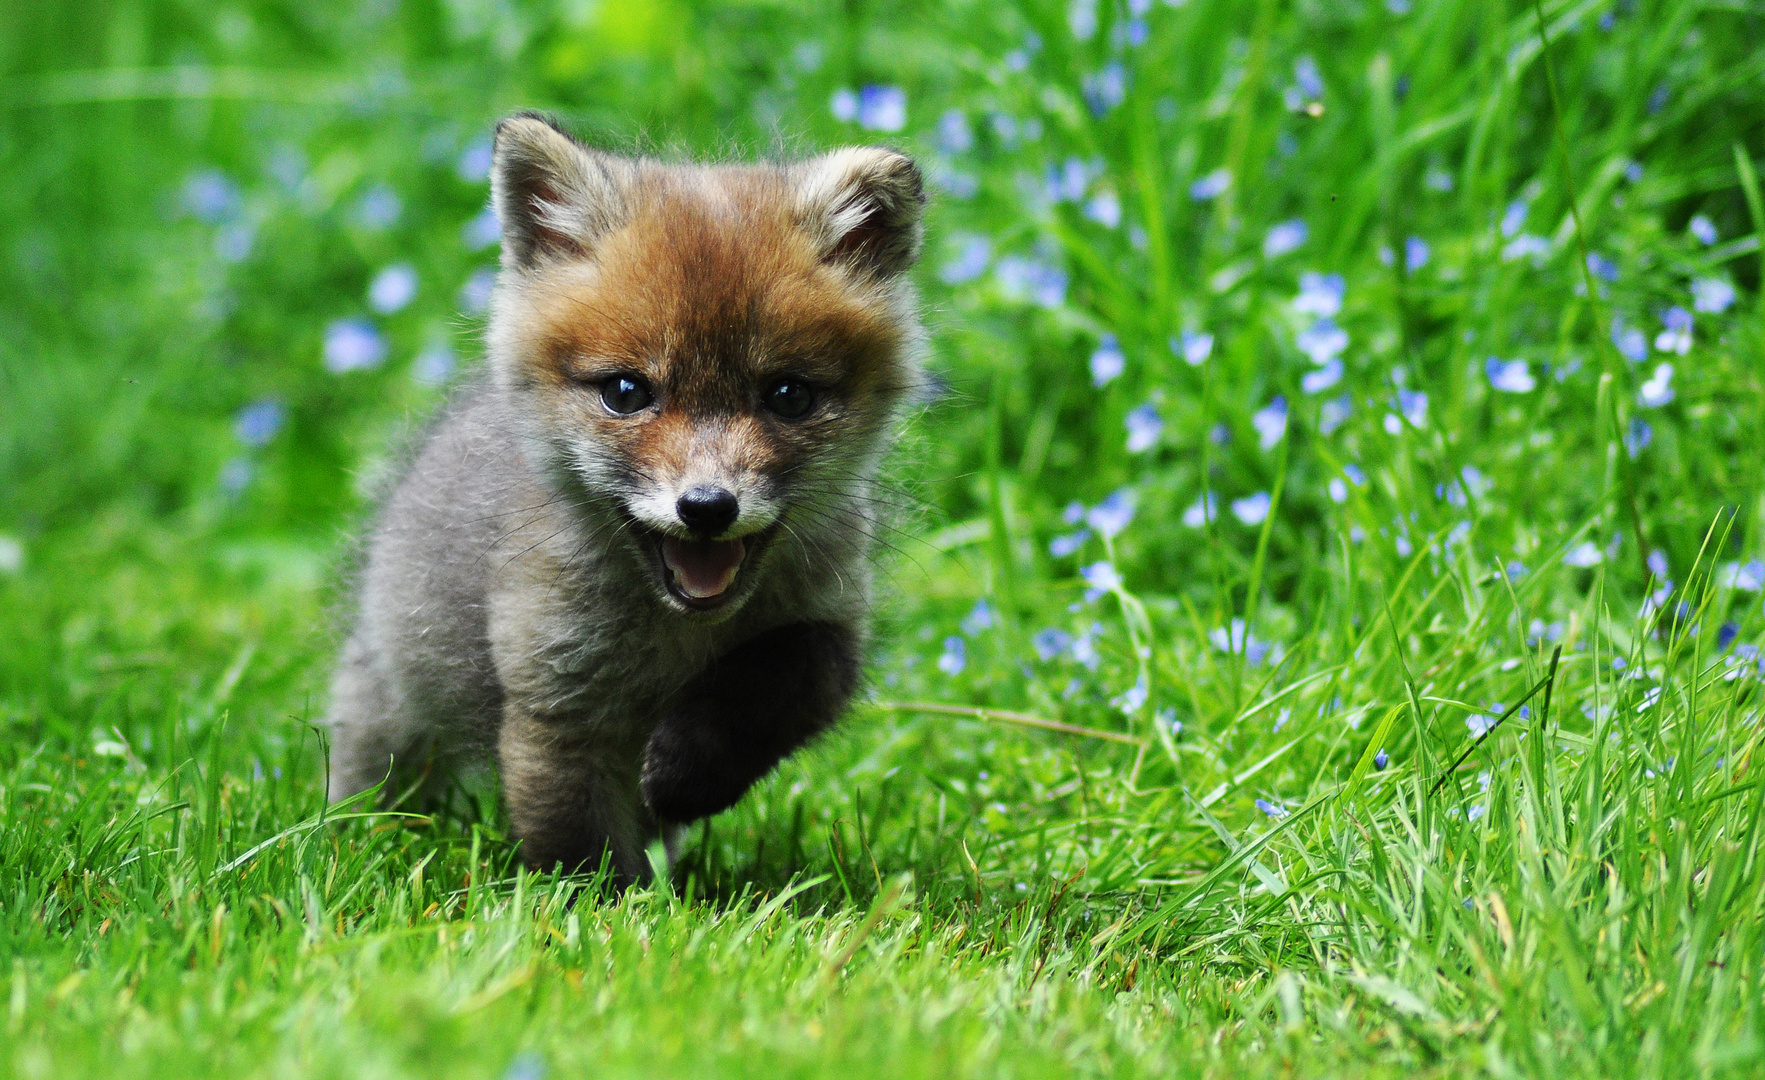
702	572
706	574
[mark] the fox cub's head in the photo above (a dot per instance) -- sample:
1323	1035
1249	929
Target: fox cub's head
711	356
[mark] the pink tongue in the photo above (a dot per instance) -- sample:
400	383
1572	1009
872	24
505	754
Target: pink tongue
702	568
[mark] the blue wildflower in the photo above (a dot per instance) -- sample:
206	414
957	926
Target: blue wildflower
1081	19
1638	436
482	231
474	162
971	260
393	288
1021	278
1658	390
1657	562
1725	635
353	345
1307	77
1416	253
843	105
1130	700
1211	186
1144	427
882	108
1631	343
1107	362
1335	412
211	197
1105	208
1381	759
1414	404
1084	649
1283	238
1319	294
233	242
1676	337
955	136
1479	724
433	365
235	475
1702	228
1271	809
1101	576
1201	512
475	293
979	618
1252	509
1514	218
1114	513
1526	246
1510	376
526	1066
1313	382
1270	423
1322	340
1193	347
1050	643
1749	577
1711	294
378	208
1105	89
1583	555
1602	267
955	656
257	424
1068	181
1062	546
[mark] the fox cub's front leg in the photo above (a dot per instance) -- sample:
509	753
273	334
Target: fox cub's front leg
744	714
571	798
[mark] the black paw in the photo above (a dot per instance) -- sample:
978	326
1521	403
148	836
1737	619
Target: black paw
689	772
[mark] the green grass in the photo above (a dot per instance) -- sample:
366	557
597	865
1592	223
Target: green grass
1258	860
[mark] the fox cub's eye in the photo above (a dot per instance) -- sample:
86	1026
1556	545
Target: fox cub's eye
790	398
625	395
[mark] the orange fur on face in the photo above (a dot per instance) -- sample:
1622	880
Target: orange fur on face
710	292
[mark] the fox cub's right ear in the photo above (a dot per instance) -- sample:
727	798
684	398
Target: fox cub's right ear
863	206
553	196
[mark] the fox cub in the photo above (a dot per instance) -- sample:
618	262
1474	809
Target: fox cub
630	564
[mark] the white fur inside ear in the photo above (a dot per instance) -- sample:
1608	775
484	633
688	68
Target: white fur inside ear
863	188
552	195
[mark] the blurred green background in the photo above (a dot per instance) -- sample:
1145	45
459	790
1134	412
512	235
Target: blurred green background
198	197
1466	364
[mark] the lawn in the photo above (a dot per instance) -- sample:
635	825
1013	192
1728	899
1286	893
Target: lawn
1321	621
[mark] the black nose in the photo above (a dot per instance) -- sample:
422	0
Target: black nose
707	510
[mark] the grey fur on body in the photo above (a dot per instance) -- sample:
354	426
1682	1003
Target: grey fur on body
509	613
485	581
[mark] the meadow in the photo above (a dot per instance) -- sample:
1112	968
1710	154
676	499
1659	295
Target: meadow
1321	621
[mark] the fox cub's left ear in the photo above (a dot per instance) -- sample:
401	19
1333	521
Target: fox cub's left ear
553	196
863	206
